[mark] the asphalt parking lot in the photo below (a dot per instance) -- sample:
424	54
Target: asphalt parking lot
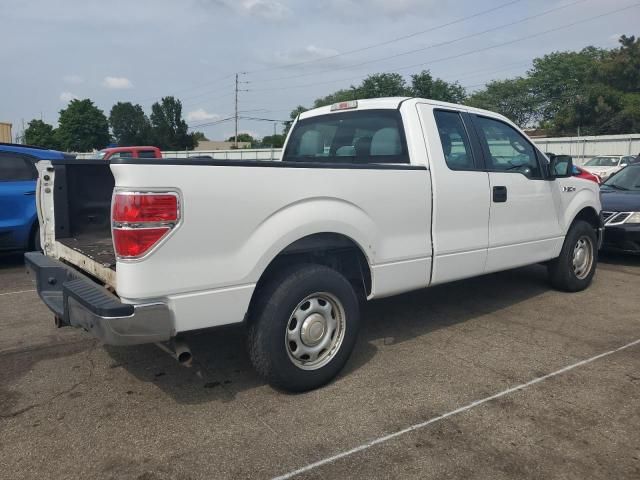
71	408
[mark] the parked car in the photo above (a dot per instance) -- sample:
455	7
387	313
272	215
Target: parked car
577	171
128	152
606	165
371	198
621	210
18	175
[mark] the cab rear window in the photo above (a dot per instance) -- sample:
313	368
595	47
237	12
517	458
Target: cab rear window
360	137
146	154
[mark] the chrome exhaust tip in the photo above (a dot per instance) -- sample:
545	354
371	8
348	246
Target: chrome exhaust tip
178	350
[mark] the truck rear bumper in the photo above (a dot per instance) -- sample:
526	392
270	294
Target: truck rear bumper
80	302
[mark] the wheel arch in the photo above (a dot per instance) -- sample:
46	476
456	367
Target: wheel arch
335	250
589	215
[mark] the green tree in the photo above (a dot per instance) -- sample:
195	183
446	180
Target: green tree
383	85
242	137
607	98
597	111
423	85
559	77
293	115
129	124
169	130
511	98
199	137
339	96
621	68
82	127
41	134
272	141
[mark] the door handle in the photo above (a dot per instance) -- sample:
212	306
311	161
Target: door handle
500	194
31	192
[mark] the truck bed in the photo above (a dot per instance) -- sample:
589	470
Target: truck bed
82	213
93	246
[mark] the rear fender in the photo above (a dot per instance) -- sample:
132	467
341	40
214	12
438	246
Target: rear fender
310	216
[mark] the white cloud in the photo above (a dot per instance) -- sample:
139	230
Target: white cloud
365	9
66	97
73	79
267	9
310	52
117	83
201	115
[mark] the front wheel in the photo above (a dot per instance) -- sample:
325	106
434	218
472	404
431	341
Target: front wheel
303	327
574	269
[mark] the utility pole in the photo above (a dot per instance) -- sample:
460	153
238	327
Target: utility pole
236	109
236	115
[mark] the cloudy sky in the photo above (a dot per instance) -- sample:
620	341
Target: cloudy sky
292	51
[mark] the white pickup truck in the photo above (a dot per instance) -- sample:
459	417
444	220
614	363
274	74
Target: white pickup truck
371	198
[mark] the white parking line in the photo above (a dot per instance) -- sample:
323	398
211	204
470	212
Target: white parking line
469	406
15	293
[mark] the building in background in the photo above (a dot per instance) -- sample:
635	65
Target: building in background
5	132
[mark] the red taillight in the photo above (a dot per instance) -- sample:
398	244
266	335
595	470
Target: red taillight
145	207
136	241
141	220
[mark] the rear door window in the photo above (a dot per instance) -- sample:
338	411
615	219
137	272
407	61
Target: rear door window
14	168
454	140
360	137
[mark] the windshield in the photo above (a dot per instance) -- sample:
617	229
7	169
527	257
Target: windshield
603	162
626	179
365	136
98	155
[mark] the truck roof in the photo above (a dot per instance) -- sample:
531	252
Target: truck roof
128	149
394	102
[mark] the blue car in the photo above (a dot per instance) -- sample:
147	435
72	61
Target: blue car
18	175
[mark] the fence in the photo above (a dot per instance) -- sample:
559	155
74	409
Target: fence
580	148
584	148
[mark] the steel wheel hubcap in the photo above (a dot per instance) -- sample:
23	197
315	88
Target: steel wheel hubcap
582	257
315	331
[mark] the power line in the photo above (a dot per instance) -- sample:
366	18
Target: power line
463	54
349	52
265	119
434	45
219	79
215	122
387	42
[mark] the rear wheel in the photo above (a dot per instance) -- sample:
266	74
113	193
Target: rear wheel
574	269
303	327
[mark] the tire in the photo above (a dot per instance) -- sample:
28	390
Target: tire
36	246
570	276
307	310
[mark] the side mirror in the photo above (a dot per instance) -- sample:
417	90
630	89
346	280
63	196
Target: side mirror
561	166
623	165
